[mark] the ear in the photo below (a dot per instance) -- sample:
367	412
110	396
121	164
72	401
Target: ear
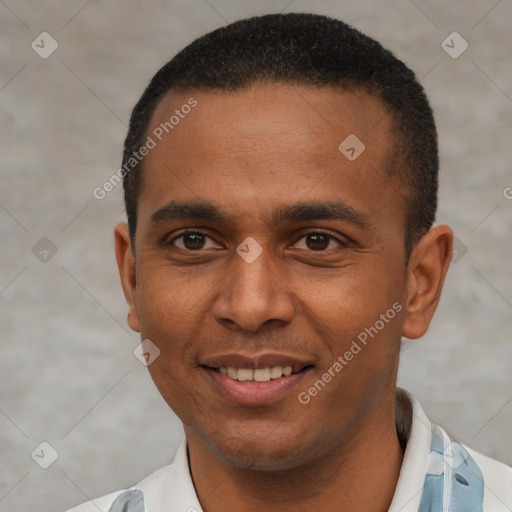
428	265
126	264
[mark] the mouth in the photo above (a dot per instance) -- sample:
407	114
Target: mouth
254	380
259	374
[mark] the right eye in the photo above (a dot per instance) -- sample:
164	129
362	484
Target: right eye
191	240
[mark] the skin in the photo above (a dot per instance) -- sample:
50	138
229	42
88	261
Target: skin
249	152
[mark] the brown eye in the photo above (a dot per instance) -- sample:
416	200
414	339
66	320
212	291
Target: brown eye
191	241
317	241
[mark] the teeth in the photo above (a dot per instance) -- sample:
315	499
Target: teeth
259	375
245	374
276	372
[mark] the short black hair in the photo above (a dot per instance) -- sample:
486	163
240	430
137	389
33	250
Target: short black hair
304	49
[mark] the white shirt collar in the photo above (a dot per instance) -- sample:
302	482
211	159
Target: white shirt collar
409	487
171	486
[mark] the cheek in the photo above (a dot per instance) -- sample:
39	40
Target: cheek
357	295
169	314
359	318
170	298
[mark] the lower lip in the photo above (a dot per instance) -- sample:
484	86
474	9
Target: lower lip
254	393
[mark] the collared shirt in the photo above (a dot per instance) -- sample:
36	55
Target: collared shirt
438	474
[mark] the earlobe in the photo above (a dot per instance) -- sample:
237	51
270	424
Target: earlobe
428	265
127	272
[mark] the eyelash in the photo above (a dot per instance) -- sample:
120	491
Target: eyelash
199	232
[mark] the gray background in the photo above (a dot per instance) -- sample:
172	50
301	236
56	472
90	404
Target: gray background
68	373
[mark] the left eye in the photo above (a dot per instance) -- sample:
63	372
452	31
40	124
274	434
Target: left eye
317	241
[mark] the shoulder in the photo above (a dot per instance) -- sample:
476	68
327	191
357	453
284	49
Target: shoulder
497	480
100	504
169	488
130	499
151	491
453	476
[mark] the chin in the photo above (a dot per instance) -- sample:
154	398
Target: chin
265	452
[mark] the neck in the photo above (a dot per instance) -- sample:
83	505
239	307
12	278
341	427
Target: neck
359	475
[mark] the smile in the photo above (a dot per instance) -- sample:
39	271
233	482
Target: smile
255	387
258	375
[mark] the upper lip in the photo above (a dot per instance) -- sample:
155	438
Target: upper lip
255	361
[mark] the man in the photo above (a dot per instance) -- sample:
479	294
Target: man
280	180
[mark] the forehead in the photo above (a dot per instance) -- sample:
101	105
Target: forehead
268	139
273	108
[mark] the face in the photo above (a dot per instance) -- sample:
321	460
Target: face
262	248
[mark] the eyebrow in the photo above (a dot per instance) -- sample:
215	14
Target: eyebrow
296	212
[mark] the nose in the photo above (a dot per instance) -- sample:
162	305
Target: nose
253	294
